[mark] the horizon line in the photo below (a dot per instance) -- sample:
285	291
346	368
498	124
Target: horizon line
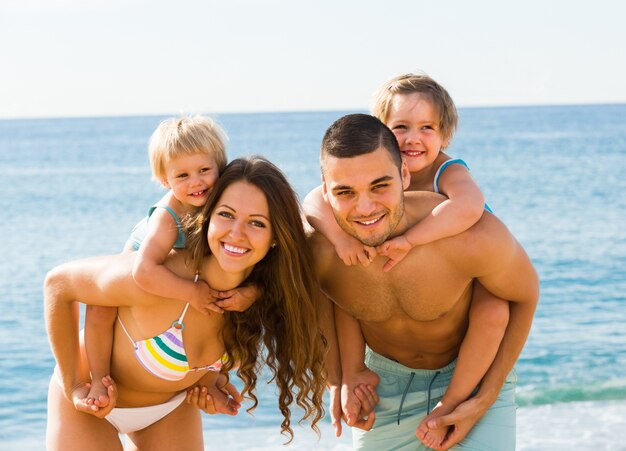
331	110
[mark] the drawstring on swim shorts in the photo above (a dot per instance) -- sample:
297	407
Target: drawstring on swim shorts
406	390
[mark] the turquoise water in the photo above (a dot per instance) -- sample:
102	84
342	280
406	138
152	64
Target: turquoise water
555	175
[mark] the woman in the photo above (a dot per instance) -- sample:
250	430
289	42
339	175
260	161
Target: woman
250	231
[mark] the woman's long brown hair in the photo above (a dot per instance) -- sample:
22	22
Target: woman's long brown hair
284	319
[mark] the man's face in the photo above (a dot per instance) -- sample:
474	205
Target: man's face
366	194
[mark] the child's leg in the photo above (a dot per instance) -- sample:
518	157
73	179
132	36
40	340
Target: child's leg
488	319
99	322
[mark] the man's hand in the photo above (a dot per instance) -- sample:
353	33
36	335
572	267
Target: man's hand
335	408
358	398
460	421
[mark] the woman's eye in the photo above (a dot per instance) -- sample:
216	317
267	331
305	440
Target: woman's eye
257	224
225	214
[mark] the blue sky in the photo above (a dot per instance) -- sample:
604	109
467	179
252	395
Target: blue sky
124	57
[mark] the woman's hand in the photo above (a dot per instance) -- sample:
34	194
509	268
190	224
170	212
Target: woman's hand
220	397
79	398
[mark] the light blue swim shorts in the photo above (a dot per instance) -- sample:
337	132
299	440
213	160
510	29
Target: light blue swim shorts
406	394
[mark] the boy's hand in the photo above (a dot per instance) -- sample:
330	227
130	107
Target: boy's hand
222	397
204	298
396	249
238	299
352	252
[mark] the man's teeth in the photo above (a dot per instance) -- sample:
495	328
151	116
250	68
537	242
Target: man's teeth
369	222
235	249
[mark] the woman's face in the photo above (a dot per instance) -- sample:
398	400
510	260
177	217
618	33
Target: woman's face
240	232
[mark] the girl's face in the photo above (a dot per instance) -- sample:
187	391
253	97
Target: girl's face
415	122
191	178
240	232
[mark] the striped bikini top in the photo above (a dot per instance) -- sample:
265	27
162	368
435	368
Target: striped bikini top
164	355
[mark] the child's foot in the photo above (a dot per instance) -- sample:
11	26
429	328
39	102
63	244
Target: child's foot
433	437
98	395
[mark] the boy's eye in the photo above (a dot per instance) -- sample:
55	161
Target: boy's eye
181	175
427	127
203	170
399	127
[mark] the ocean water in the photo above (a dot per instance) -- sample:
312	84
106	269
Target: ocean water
71	188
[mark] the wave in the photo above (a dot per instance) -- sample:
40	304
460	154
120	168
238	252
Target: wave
603	391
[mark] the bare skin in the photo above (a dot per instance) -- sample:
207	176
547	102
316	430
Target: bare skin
417	314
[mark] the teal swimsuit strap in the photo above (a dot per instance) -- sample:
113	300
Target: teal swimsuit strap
169	210
443	167
180	240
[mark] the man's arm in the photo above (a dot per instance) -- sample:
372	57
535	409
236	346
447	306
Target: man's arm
332	361
502	266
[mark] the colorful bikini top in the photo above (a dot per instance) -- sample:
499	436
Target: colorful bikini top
443	167
164	355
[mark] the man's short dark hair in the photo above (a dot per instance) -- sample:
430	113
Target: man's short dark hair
358	134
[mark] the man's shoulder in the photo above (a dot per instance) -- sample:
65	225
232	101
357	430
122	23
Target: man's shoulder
419	204
323	251
481	245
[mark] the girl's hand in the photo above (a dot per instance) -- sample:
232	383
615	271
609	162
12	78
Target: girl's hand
238	299
352	252
396	249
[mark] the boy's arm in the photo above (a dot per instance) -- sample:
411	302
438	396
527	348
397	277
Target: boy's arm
504	270
462	209
355	375
320	215
151	274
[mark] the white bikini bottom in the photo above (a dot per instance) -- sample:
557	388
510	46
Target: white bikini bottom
131	419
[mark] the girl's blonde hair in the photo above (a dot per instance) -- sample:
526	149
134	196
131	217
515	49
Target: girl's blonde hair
187	135
422	84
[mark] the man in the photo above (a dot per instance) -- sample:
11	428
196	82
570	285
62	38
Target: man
413	319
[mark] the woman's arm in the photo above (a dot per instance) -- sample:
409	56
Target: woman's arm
97	281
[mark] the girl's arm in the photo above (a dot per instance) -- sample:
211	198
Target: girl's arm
151	274
319	214
462	209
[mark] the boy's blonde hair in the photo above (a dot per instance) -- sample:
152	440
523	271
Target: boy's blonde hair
187	135
422	84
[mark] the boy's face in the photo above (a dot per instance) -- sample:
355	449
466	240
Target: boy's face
415	122
366	194
191	178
